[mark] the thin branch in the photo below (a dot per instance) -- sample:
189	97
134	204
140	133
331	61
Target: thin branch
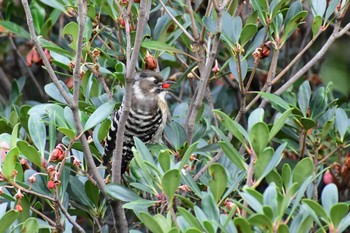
177	22
52	223
205	67
85	145
42	54
32	192
334	36
193	21
70	219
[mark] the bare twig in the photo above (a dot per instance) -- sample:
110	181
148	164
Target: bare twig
70	219
177	22
333	37
42	54
52	223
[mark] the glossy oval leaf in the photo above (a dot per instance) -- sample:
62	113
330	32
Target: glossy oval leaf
210	207
121	193
10	163
338	212
100	114
150	222
30	152
302	170
341	122
279	123
170	182
189	217
218	180
7	219
37	132
233	155
31	225
329	197
257	115
259	137
304	95
164	159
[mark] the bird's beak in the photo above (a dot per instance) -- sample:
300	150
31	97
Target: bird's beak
167	84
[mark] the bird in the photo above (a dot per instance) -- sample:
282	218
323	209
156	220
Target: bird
147	117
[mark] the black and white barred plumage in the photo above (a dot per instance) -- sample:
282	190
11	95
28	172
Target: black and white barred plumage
146	119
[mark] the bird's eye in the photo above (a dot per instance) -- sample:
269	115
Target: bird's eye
156	81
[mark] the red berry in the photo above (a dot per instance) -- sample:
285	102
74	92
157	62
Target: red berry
327	177
50	184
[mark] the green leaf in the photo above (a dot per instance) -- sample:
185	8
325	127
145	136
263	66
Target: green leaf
242	224
54	4
276	158
164	159
233	65
317	208
262	162
316	25
71	29
338	212
283	228
208	226
187	154
327	128
53	47
31	225
233	155
100	114
92	192
262	221
332	5
257	115
275	99
189	217
344	223
38	13
163	47
293	10
261	7
193	230
170	182
209	207
37	132
304	95
67	132
292	25
248	31
30	152
307	123
121	193
233	32
210	24
341	122
7	220
302	170
150	222
140	203
329	197
279	123
218	180
259	137
54	93
236	129
10	162
318	7
15	29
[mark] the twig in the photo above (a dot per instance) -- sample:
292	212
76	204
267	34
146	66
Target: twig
70	219
333	37
42	54
14	184
205	69
177	22
52	223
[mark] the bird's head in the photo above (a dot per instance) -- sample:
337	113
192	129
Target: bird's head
150	84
